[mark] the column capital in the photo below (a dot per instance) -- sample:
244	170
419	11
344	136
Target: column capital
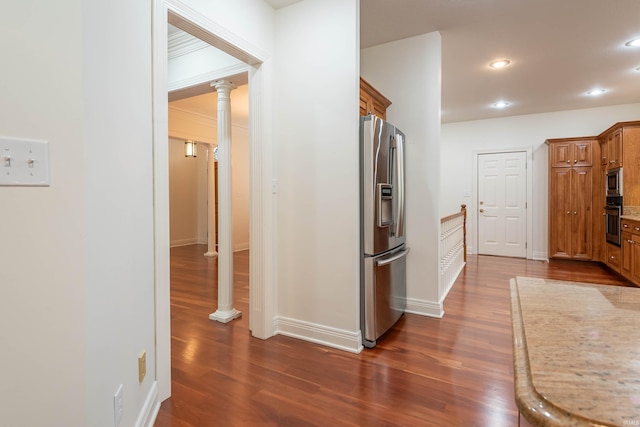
223	85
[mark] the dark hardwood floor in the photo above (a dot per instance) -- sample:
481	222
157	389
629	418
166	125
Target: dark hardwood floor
454	371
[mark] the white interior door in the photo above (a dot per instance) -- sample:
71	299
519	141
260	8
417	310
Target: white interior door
502	204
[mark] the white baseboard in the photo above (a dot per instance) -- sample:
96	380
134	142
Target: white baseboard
150	409
184	242
241	247
319	334
540	256
424	308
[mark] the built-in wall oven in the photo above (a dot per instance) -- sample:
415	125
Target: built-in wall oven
614	183
613	211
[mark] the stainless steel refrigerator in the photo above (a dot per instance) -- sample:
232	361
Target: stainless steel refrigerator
382	217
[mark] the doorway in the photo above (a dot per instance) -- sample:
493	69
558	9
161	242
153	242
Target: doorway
257	65
502	199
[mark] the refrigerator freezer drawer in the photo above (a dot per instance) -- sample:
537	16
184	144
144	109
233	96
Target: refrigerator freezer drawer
384	293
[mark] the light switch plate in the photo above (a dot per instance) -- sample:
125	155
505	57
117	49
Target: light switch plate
24	162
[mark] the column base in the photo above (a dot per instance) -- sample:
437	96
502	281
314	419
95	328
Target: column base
211	253
225	316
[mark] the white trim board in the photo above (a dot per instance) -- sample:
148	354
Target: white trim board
320	334
150	409
261	286
424	308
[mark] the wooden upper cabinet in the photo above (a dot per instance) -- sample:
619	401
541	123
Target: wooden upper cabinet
614	149
604	154
618	139
566	153
372	101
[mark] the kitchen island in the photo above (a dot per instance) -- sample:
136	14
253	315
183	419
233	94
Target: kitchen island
576	353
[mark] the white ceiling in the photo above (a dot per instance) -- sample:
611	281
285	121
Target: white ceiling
559	50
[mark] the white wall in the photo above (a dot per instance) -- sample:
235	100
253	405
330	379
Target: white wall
76	262
117	206
43	353
187	175
316	131
408	73
460	140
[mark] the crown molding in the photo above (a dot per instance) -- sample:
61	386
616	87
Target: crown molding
182	43
239	73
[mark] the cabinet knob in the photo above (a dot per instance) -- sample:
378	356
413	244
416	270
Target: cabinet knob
637	228
481	210
568	213
612	161
568	161
575	213
625	225
630	241
575	161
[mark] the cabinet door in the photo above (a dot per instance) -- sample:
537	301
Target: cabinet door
604	154
613	256
560	214
364	97
581	213
582	153
614	149
627	254
635	258
561	154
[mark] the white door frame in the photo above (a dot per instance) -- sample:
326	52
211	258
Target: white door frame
261	285
474	196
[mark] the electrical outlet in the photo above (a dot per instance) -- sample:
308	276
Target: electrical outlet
118	406
142	366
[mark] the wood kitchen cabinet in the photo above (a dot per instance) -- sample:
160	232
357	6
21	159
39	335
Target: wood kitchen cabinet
571	199
614	149
372	101
621	143
570	213
630	265
574	152
614	257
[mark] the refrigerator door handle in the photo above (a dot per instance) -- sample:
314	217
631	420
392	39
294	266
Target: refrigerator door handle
400	161
394	258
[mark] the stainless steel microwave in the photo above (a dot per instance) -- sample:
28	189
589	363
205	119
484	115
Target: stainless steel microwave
614	182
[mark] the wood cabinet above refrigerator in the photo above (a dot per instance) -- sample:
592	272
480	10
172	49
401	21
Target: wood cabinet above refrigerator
372	101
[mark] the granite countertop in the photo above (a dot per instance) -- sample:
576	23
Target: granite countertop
631	212
576	353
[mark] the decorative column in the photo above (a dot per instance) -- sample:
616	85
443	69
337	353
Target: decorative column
211	202
225	312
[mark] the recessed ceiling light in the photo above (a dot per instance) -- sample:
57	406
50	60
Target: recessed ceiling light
596	92
500	104
501	63
633	43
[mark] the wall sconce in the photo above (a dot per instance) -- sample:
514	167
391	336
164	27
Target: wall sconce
190	149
